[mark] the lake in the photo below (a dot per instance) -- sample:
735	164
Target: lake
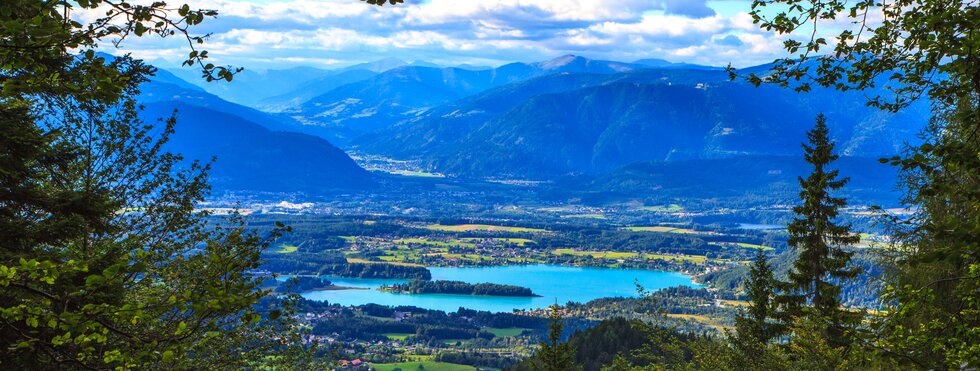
761	227
552	282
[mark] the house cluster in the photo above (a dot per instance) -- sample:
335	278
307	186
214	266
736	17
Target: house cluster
354	364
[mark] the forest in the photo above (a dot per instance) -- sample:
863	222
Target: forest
457	287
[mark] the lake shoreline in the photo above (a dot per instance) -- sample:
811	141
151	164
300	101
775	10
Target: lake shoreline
551	283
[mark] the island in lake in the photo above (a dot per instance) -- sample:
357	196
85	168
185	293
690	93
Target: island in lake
457	287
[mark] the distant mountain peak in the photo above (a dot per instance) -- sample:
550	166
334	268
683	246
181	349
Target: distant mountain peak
379	65
654	62
576	63
389	60
562	61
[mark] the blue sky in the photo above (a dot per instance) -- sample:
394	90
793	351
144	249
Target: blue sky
262	34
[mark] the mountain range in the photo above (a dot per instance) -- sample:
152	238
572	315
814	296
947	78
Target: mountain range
249	153
570	116
585	123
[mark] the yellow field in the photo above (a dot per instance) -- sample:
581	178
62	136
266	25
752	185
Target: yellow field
363	261
746	245
597	254
662	229
468	257
629	255
690	258
286	249
698	318
734	303
516	241
693	317
423	241
481	227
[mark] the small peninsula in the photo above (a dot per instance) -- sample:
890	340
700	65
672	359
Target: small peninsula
458	288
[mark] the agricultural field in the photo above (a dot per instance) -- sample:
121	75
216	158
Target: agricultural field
415	173
287	249
672	208
557	209
420	365
423	241
392	262
513	241
630	255
584	216
482	227
663	229
734	303
871	240
746	245
505	332
397	336
711	322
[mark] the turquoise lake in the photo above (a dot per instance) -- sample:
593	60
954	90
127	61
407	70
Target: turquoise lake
552	282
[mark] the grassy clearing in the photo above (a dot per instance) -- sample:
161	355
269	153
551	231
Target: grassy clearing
287	249
420	174
481	227
630	255
505	332
397	335
557	209
476	258
662	229
423	241
584	216
692	317
349	239
870	240
746	245
515	241
700	319
735	303
672	208
392	262
427	365
689	258
597	254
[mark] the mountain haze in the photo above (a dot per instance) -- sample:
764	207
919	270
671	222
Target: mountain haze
249	155
404	93
578	123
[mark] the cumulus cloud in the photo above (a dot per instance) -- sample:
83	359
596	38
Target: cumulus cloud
270	34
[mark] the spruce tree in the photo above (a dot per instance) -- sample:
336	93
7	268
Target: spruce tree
926	51
759	288
811	289
750	348
554	355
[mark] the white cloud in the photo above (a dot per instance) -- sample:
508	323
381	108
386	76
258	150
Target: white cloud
276	33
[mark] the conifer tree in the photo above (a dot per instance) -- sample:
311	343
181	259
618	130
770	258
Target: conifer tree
759	288
925	50
811	289
750	348
554	355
